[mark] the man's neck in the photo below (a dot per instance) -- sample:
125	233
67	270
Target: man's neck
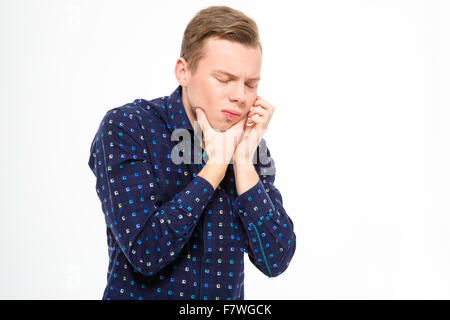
187	108
190	113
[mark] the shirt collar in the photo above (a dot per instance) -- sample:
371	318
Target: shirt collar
177	112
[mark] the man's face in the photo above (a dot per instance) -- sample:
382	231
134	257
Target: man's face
226	79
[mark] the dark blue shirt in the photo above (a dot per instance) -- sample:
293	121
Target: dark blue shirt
170	234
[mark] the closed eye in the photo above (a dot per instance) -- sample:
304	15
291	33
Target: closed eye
226	81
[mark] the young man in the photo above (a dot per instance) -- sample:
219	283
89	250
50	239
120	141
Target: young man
179	230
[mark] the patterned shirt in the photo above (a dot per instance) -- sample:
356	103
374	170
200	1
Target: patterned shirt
170	234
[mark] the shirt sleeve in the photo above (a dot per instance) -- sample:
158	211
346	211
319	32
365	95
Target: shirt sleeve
150	232
270	231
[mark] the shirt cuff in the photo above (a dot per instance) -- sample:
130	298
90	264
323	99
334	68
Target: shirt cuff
195	196
254	205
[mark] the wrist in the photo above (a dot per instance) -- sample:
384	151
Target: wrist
219	162
242	160
245	177
243	155
214	173
218	167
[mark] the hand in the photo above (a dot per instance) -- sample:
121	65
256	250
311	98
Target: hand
259	117
219	146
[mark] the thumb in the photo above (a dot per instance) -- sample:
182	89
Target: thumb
202	120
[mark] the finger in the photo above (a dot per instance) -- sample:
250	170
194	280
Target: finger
249	121
263	104
202	120
257	110
257	119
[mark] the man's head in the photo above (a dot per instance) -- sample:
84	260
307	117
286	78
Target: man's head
219	65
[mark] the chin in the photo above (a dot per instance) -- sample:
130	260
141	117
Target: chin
223	125
222	128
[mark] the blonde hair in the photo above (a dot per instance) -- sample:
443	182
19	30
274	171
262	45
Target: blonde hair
221	22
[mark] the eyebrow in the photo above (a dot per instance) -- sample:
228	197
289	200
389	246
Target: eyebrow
232	75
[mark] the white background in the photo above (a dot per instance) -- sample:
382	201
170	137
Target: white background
360	137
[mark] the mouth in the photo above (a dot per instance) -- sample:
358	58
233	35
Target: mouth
229	114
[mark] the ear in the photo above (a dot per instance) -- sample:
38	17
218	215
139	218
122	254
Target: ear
182	72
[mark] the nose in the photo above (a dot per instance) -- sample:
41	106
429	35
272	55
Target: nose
238	93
